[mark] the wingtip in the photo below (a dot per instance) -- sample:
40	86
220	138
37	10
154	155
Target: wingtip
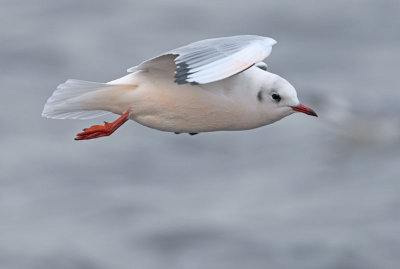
184	81
273	41
180	82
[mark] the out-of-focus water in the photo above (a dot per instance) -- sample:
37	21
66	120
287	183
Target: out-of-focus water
302	193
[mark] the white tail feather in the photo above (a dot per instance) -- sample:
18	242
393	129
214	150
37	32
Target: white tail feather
76	99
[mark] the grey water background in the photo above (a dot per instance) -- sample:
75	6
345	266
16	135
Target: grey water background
301	193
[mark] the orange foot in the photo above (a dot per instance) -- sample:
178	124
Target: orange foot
102	130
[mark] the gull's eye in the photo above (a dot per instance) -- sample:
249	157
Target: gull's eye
276	97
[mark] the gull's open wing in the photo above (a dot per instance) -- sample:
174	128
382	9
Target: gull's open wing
214	59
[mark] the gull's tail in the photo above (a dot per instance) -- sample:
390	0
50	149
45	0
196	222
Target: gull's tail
77	99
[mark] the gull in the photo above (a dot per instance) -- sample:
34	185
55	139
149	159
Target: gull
218	84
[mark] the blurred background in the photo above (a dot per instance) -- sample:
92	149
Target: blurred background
301	193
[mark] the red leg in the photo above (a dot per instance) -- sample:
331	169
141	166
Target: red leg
103	130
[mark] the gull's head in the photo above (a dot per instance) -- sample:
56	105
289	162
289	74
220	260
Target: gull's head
278	98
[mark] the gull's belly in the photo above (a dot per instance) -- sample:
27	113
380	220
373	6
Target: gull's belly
187	108
179	111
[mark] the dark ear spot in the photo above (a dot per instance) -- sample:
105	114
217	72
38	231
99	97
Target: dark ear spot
260	96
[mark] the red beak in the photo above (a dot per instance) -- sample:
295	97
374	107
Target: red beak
304	109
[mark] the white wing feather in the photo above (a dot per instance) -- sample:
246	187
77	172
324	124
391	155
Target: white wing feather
213	59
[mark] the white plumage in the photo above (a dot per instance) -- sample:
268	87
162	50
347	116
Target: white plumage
210	85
